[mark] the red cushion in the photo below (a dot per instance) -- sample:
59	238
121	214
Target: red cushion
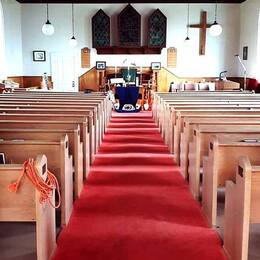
252	84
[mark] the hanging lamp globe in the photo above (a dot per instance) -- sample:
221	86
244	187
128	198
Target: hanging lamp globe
48	28
73	42
215	29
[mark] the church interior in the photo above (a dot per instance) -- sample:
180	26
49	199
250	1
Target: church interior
129	130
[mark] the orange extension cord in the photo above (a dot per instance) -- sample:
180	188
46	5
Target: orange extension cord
45	188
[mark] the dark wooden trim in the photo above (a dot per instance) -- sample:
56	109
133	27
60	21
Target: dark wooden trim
132	1
28	81
128	50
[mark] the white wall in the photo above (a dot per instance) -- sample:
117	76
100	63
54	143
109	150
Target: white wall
250	11
219	52
13	37
21	42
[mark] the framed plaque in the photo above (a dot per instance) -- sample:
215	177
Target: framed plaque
171	57
85	58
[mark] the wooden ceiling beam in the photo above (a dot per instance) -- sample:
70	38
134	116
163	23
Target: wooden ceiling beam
132	1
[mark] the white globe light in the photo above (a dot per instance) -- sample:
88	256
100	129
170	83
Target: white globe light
215	29
73	42
48	28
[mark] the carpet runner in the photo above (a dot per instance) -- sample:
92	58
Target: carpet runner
135	205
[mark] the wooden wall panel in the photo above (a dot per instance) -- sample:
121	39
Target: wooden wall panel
28	81
89	80
17	79
172	57
165	77
85	58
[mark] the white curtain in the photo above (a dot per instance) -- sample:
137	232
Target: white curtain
3	68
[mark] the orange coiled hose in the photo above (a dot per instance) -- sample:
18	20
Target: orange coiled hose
45	188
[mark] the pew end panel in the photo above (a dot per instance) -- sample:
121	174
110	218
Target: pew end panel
223	159
209	182
193	165
58	154
66	175
25	206
237	211
46	226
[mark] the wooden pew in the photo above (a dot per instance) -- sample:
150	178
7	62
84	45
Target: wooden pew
25	206
83	121
159	100
241	209
65	96
106	105
54	125
99	114
181	115
190	124
59	163
198	147
172	119
89	114
165	123
220	166
167	104
75	146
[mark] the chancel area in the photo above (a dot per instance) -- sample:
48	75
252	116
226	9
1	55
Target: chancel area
129	130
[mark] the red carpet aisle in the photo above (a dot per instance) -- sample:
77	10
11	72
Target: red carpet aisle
135	205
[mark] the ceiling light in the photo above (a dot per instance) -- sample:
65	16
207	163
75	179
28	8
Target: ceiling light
215	29
48	28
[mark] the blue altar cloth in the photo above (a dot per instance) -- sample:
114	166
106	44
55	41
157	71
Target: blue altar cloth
127	95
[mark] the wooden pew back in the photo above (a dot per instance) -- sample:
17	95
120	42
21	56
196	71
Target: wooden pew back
220	166
25	206
60	163
75	146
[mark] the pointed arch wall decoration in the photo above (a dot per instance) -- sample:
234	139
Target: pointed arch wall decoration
100	30
129	27
157	25
129	32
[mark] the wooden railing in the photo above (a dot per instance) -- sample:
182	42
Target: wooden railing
164	77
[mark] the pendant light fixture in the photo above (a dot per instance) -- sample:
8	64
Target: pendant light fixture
73	41
187	39
48	28
215	29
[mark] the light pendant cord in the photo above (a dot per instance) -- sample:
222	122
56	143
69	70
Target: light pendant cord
47	12
216	11
188	21
72	17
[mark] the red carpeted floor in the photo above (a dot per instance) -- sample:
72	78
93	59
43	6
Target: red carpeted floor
135	205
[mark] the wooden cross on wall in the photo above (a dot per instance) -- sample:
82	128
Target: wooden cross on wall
203	31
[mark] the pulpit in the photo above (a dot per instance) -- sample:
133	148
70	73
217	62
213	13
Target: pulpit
227	85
